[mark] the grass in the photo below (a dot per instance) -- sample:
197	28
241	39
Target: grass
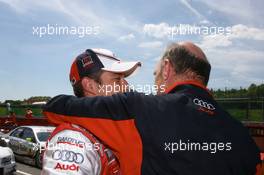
240	114
3	111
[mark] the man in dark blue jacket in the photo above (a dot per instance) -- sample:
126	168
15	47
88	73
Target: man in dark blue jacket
182	131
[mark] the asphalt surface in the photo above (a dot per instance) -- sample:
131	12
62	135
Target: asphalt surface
24	169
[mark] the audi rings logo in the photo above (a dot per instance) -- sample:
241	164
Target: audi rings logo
68	156
203	104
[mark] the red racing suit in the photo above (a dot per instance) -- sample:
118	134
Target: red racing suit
73	150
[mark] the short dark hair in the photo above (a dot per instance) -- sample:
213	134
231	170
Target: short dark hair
183	60
78	88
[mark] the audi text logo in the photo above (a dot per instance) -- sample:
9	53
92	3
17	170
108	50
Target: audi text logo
68	156
203	104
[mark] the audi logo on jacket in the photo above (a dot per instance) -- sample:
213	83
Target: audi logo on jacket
167	134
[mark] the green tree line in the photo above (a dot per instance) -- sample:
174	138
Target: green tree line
252	91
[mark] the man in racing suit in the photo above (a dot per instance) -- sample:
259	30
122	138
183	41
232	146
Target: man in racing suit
71	149
184	131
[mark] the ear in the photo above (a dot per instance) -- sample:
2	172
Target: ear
167	69
88	85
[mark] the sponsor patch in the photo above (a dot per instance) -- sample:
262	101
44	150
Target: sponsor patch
204	106
87	61
68	156
70	141
66	167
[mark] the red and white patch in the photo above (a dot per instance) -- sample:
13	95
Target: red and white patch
87	61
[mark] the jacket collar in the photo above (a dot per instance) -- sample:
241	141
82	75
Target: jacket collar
182	83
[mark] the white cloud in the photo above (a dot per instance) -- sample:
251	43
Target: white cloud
126	37
244	32
154	44
156	30
204	22
211	41
234	67
238	31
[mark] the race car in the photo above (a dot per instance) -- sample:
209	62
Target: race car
28	143
7	161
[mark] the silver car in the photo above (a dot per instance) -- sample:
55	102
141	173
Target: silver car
7	161
28	143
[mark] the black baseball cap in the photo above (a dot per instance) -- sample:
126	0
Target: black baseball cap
93	60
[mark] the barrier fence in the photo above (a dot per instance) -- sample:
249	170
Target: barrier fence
243	109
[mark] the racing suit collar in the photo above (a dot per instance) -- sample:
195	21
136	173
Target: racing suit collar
181	83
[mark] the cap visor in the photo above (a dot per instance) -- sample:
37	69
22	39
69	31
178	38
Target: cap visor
126	68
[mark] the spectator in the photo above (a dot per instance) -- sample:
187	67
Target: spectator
29	114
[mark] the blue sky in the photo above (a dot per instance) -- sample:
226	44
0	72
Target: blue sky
134	30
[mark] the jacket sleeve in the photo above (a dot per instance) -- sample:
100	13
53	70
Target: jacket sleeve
116	107
111	119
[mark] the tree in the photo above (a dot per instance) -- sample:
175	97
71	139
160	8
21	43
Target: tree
252	90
